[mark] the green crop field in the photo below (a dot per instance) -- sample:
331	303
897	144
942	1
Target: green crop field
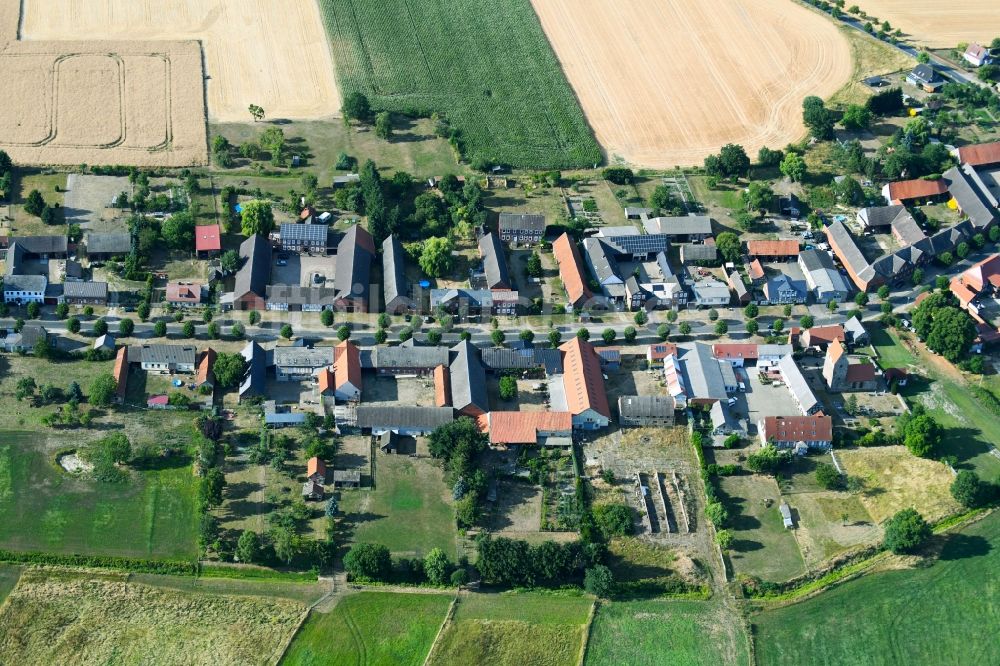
370	628
514	630
942	614
44	509
492	73
408	511
666	632
58	616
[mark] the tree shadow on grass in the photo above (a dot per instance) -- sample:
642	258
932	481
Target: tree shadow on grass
746	545
241	489
963	443
960	546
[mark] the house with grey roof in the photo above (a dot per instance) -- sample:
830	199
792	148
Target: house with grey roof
699	253
682	229
22	289
500	359
494	262
24	341
475	302
406	359
293	298
823	280
355	253
878	218
924	76
906	230
521	228
254	381
299	363
946	240
603	267
798	386
85	293
972	195
303	237
250	288
703	375
42	247
710	293
783	290
394	285
107	245
403	420
163	358
468	380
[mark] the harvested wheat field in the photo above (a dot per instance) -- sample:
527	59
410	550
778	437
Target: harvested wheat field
667	83
273	53
79	618
936	23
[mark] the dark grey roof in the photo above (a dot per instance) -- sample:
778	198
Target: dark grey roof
522	222
645	406
494	263
294	356
736	282
35	283
881	216
924	72
972	194
32	333
680	226
41	244
424	418
311	233
109	243
819	268
394	273
502	358
636	244
849	251
664	263
255	273
254	380
782	283
698	252
295	295
106	341
468	378
73	269
908	231
480	298
162	354
414	357
354	263
704	374
948	239
85	290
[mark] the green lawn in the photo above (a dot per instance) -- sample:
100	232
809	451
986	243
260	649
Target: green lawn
650	633
493	73
370	628
514	630
43	508
8	579
409	511
942	614
762	546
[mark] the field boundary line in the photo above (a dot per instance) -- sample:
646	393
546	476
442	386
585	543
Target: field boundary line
291	638
586	632
444	623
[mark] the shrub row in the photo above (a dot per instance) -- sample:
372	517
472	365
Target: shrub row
171	567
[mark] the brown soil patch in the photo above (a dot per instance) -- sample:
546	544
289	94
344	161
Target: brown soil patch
273	53
667	83
938	24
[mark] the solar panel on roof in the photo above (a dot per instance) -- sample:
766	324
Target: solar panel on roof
640	244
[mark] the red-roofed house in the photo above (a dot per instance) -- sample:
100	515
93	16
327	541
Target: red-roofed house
657	352
316	470
774	250
442	386
157	402
205	375
121	372
529	428
735	353
821	336
571	271
583	384
980	154
347	371
756	272
785	432
324	381
207	240
907	192
977	286
184	294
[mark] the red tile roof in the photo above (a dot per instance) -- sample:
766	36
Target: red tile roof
726	352
442	386
315	466
798	428
583	379
905	190
756	270
183	292
772	248
121	371
158	401
207	238
824	335
981	154
571	273
523	427
860	372
347	365
205	373
660	351
324	379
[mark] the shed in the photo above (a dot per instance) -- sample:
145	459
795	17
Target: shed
346	478
786	515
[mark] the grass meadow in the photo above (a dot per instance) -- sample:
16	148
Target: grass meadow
409	510
944	613
55	616
42	508
513	630
650	633
370	628
493	74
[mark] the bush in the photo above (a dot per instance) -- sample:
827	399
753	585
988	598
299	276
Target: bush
970	491
599	581
619	175
614	519
828	477
368	561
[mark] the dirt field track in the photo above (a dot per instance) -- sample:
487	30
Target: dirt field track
937	23
667	83
273	53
